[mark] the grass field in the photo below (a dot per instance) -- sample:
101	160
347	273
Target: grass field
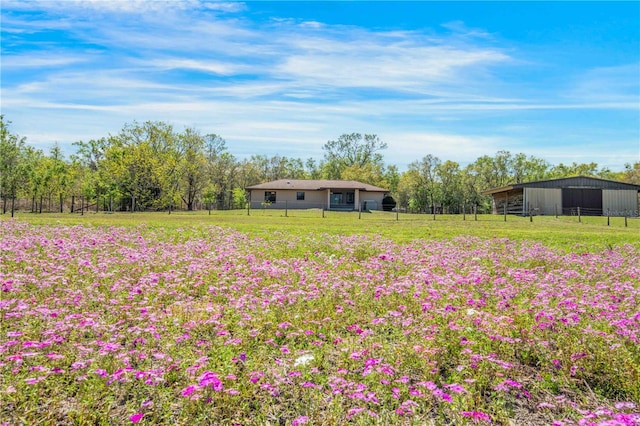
566	232
299	319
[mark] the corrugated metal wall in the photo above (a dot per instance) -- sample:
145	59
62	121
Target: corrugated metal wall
619	202
546	201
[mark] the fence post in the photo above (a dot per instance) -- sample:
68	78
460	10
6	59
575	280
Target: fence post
359	210
397	215
608	215
464	212
82	206
579	217
505	212
286	208
530	216
323	212
625	220
555	209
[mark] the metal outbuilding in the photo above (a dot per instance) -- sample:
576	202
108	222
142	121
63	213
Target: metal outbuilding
567	196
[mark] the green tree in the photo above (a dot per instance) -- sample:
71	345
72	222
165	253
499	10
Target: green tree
57	176
90	158
428	181
312	169
13	165
368	173
144	164
192	166
392	177
451	193
221	171
352	149
631	173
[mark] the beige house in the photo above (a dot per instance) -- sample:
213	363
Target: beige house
324	194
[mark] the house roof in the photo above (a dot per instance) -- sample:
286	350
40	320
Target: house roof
316	185
568	182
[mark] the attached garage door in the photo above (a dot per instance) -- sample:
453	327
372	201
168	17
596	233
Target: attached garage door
589	201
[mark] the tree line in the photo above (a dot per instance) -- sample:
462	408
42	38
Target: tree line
152	166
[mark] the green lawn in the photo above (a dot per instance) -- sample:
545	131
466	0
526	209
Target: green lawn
588	234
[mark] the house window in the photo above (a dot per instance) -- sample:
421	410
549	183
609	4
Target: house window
300	196
270	196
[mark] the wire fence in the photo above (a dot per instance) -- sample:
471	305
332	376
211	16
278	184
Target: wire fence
80	206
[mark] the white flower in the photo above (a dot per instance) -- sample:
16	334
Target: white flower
303	360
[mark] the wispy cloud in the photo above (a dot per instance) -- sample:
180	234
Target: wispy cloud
608	84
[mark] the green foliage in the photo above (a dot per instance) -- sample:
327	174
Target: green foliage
152	166
350	150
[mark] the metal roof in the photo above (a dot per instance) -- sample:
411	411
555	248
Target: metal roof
568	182
316	185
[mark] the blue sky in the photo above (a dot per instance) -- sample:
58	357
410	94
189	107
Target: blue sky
458	80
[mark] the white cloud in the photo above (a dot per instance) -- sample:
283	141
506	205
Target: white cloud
123	6
608	84
214	67
286	86
405	147
39	61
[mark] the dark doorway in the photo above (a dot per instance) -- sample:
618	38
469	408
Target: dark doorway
589	201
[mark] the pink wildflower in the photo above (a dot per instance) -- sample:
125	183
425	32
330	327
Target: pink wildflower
300	421
477	416
188	390
136	417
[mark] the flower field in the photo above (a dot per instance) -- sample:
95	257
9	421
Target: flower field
207	325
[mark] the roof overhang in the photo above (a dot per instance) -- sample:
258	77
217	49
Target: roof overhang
497	190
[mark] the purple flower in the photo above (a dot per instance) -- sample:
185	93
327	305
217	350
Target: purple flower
188	390
136	417
477	416
210	379
300	421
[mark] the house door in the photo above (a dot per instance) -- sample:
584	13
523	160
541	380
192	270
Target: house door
351	197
